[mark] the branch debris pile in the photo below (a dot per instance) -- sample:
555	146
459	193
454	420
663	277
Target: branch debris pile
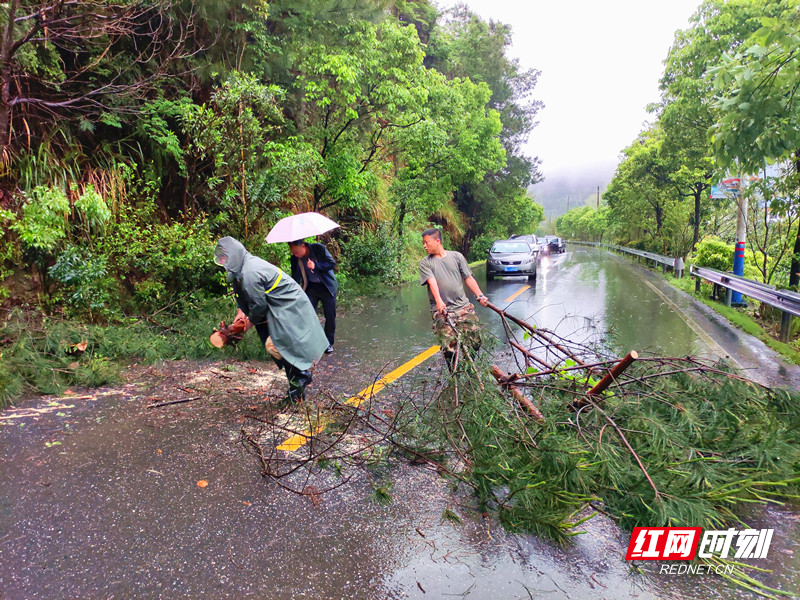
648	441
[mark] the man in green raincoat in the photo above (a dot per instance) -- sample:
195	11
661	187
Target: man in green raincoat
281	312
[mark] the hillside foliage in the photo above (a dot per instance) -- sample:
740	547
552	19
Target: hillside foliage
134	134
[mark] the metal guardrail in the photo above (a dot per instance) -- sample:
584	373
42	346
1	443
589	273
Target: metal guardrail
665	261
784	300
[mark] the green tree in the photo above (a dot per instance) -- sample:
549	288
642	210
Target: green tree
80	64
769	238
686	111
230	142
759	114
354	96
454	142
464	45
583	223
640	190
420	13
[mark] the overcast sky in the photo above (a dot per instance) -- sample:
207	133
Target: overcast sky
600	63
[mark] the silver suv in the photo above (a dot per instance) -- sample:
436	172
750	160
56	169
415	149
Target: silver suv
511	257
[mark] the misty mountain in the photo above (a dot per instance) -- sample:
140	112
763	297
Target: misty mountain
564	189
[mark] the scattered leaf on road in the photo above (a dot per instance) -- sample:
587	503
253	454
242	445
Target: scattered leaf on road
202	483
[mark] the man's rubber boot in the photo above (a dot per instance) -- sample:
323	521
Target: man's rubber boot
298	380
450	358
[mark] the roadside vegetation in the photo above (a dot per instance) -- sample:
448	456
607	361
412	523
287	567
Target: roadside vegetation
134	134
728	110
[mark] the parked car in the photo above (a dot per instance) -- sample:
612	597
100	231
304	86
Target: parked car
532	240
554	244
511	257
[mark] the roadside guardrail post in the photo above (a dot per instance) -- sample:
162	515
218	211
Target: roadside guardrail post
678	266
786	326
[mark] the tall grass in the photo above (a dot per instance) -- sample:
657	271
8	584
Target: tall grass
41	354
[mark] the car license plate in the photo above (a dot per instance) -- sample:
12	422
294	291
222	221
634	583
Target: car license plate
512	268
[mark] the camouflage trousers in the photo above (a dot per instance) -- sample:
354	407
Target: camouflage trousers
459	326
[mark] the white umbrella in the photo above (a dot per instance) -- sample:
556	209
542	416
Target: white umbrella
297	227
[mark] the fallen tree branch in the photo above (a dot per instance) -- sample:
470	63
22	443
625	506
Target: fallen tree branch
502	379
611	376
537	332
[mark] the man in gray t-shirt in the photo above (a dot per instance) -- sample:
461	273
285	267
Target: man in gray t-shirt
445	272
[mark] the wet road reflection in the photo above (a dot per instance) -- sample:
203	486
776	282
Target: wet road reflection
582	293
583	290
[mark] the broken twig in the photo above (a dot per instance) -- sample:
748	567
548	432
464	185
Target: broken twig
181	401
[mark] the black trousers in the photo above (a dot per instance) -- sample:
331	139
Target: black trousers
317	292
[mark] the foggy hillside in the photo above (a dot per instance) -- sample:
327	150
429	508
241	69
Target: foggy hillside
564	187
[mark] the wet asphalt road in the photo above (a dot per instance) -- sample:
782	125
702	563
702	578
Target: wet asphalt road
99	495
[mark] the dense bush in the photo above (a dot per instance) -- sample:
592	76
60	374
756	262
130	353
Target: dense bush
479	246
714	254
157	262
84	277
373	253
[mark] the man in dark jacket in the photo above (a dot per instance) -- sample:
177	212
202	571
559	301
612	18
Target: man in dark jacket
312	268
275	304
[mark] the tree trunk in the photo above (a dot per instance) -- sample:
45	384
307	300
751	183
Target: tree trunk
5	76
696	238
400	218
319	192
794	274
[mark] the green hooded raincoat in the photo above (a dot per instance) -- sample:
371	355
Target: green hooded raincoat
268	295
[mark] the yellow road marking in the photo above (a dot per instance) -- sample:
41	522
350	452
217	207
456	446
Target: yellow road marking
524	287
376	387
294	442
